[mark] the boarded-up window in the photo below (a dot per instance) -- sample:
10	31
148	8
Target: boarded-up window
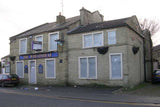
52	42
19	69
111	37
23	46
50	68
93	40
88	68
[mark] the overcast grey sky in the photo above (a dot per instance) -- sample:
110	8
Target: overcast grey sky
17	16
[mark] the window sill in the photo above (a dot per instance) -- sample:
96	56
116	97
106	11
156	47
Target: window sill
93	47
88	78
22	53
116	79
51	78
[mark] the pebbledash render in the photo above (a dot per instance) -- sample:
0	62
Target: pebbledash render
81	50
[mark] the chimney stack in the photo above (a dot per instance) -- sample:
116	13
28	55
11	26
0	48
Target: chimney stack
60	19
87	17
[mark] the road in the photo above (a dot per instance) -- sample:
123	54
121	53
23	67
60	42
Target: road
9	98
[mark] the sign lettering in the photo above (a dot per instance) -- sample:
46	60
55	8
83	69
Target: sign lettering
38	56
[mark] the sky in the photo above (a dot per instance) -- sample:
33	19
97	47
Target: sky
16	16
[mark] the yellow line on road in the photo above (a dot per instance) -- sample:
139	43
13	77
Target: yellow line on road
80	99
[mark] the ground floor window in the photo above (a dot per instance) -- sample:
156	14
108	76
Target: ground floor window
50	68
7	69
88	67
19	69
116	66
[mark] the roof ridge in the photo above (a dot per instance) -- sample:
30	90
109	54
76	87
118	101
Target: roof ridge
68	20
104	25
29	30
72	17
118	19
109	21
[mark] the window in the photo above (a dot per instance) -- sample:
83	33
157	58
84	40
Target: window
50	68
111	37
88	67
98	39
19	69
5	77
7	68
23	46
157	72
116	66
87	40
40	39
93	40
1	76
52	42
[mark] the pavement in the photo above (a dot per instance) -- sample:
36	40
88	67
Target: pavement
84	93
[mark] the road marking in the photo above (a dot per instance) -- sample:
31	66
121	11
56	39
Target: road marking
80	99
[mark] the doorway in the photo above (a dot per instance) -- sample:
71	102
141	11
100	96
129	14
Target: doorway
32	72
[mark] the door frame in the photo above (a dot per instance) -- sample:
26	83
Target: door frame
29	72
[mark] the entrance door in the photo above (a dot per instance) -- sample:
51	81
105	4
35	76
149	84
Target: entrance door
32	72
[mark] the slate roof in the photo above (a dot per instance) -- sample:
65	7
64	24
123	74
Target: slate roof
47	27
103	25
51	27
156	48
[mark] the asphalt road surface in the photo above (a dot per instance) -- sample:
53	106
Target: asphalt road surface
18	99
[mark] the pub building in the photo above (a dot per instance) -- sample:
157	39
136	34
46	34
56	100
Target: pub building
82	50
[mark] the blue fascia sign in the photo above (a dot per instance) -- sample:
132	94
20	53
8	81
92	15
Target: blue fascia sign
38	56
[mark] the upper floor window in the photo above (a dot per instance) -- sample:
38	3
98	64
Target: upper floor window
111	37
52	42
93	40
23	46
40	39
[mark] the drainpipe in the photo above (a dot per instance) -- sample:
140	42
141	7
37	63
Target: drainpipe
144	53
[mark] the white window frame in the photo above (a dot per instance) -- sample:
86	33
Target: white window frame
49	41
113	30
23	68
42	40
6	69
93	39
87	67
110	64
20	45
30	71
54	68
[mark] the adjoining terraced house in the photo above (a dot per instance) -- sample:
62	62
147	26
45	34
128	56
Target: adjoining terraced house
80	50
5	65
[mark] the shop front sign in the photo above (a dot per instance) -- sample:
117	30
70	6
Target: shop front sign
38	56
